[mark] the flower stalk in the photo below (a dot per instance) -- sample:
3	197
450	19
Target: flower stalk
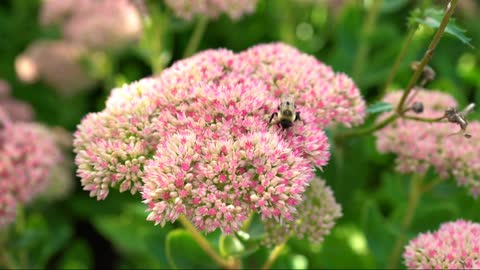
428	54
196	37
205	245
400	57
368	29
400	110
277	250
413	199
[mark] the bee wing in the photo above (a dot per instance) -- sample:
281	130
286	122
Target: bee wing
468	109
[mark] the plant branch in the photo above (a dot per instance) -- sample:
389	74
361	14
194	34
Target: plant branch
274	255
421	119
400	111
205	245
400	57
196	36
413	198
428	54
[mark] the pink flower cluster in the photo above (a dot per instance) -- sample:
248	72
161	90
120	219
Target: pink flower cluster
97	24
196	140
55	62
15	109
88	25
456	245
420	145
315	217
27	155
31	162
235	9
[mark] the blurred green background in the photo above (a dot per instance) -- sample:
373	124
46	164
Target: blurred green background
80	232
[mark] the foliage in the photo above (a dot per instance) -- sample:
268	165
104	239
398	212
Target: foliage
80	232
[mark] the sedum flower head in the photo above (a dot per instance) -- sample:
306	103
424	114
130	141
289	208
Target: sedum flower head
455	245
8	208
235	9
419	145
112	146
4	89
57	63
328	95
103	24
315	217
216	183
196	141
16	110
24	168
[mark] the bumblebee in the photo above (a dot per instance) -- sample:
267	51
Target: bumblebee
286	114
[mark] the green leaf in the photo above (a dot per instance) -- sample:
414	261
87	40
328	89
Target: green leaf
379	233
135	237
184	253
379	107
432	17
43	236
77	256
390	6
230	246
248	245
345	248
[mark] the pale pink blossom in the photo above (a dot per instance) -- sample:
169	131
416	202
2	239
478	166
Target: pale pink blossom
217	183
15	109
455	245
420	145
57	11
315	217
4	89
27	156
235	9
57	63
196	140
104	24
316	87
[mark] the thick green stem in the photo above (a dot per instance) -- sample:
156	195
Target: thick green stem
196	37
274	255
400	57
205	245
367	30
413	198
428	54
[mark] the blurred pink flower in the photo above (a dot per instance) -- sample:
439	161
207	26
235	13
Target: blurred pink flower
456	245
4	89
420	145
16	110
315	217
55	62
196	140
8	208
235	9
104	24
27	155
57	11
